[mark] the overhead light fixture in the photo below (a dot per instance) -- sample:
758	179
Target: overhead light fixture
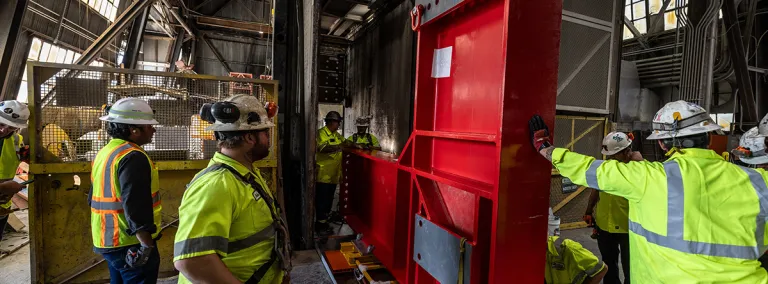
261	33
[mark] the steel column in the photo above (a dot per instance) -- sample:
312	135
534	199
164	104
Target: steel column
11	16
177	43
738	57
216	53
93	51
178	18
640	38
61	21
135	38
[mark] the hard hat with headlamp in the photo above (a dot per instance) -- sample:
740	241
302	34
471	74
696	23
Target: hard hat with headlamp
752	149
14	113
681	119
237	113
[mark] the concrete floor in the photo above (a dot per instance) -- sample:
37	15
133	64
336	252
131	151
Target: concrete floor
307	267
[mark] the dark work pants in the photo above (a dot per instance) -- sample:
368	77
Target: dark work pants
324	193
119	273
612	245
3	222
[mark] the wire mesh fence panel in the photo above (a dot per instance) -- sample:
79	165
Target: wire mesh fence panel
70	99
583	135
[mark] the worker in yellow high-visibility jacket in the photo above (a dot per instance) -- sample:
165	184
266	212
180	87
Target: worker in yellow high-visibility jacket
610	212
569	262
362	139
752	151
13	117
125	197
694	218
230	225
329	143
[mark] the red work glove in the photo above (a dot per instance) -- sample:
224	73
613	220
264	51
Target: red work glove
24	153
539	133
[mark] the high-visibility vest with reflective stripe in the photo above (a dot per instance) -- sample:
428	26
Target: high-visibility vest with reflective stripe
611	213
10	160
694	218
222	214
108	223
328	164
569	262
365	139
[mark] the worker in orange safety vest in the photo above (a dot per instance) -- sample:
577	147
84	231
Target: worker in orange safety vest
125	197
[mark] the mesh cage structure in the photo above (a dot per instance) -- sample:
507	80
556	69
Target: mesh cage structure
587	71
583	135
68	101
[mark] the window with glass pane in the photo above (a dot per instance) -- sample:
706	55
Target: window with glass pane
46	52
107	8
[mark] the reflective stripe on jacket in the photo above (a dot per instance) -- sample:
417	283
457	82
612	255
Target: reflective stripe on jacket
611	213
220	214
108	223
328	164
569	262
694	218
365	139
9	159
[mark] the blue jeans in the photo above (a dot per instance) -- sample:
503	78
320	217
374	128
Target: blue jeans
120	273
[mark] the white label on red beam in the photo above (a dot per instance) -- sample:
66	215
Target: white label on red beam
441	62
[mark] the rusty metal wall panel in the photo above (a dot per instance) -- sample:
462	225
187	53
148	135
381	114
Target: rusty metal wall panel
380	76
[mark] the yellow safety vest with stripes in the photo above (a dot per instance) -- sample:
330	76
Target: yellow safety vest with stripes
611	213
694	218
328	164
365	139
108	223
569	262
10	160
221	214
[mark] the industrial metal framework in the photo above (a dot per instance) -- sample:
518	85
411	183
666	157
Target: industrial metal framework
466	200
65	134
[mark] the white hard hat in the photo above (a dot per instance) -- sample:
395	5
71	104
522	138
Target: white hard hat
130	111
762	128
615	142
553	227
14	113
752	149
236	113
363	121
680	119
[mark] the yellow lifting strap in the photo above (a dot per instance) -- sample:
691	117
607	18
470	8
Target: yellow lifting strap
461	260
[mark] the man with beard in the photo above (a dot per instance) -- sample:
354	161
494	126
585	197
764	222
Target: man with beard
230	229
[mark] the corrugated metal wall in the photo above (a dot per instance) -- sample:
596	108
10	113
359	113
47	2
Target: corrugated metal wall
380	78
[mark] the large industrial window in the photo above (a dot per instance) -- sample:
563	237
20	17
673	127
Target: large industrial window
43	51
107	8
638	11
